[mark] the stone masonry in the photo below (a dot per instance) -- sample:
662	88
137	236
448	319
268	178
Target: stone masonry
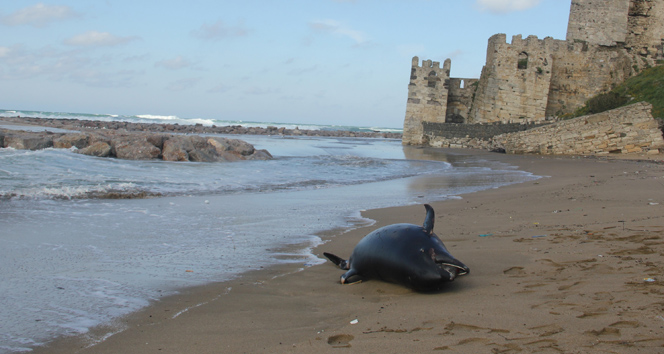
601	22
628	129
535	81
427	98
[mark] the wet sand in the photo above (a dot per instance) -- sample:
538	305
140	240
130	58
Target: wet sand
572	263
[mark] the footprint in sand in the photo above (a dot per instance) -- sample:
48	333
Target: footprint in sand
606	331
340	340
515	272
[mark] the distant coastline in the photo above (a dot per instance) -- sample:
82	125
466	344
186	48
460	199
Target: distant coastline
174	122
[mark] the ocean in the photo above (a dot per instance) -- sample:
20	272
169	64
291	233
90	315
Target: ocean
73	259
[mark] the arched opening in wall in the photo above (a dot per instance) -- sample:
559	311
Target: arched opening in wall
522	63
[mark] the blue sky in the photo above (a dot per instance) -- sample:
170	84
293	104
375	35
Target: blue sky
344	62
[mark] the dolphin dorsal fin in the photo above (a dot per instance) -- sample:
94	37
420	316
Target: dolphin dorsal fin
429	219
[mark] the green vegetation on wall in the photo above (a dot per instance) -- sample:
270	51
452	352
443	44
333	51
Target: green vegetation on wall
648	86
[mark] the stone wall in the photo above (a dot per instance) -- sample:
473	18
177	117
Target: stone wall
598	22
646	28
427	98
460	99
533	80
475	136
581	71
628	129
514	85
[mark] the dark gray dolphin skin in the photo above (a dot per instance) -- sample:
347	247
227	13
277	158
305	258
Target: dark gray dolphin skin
406	254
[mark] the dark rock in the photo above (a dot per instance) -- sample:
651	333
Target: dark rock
240	146
157	140
134	148
177	149
99	149
219	144
28	141
202	156
261	155
68	140
230	156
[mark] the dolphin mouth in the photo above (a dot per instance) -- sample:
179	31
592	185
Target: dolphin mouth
453	270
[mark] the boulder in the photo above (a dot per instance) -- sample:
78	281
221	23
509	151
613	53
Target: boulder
157	140
28	141
177	149
99	149
66	141
261	155
134	148
219	144
240	146
202	156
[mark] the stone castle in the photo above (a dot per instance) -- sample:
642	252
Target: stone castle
534	81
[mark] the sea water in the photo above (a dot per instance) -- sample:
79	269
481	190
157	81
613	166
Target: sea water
72	259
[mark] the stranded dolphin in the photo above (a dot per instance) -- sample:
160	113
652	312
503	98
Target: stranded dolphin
406	254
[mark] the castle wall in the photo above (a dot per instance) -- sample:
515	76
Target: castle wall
599	22
534	81
460	99
427	98
457	135
628	129
515	81
646	28
581	71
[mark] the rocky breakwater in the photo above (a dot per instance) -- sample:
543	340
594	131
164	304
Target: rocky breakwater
76	124
136	145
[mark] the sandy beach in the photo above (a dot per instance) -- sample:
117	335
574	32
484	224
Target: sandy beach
573	263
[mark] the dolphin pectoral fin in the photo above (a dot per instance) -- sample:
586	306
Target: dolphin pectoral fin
429	219
345	278
340	262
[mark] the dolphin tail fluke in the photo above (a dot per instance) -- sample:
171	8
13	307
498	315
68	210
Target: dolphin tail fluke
340	262
429	219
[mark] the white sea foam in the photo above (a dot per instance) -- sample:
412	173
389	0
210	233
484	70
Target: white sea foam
87	261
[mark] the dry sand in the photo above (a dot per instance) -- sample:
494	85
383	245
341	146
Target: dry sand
570	263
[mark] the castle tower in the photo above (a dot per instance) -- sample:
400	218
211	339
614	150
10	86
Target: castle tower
427	98
599	22
645	31
515	81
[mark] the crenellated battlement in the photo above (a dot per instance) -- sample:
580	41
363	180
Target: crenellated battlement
533	80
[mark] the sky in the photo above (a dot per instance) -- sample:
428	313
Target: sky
342	62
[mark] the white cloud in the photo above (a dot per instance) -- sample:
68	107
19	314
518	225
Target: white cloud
173	64
505	6
218	31
337	28
39	15
97	39
57	65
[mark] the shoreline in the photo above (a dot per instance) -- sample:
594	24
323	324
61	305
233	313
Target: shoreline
175	128
565	266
